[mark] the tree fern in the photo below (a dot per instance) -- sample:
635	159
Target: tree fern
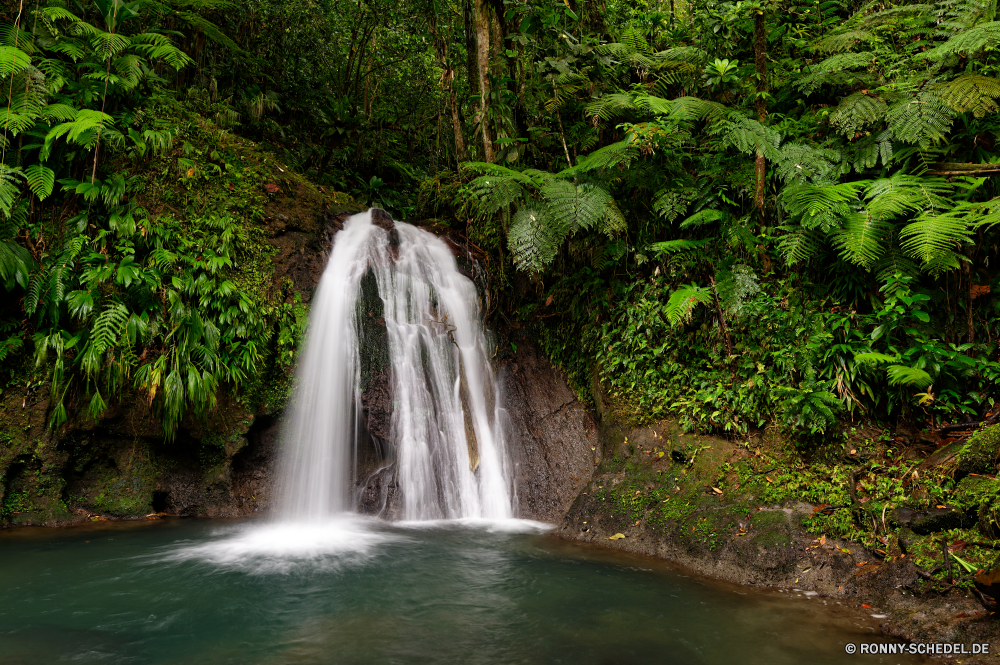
798	243
749	136
835	70
922	119
934	236
971	92
968	42
858	111
863	237
572	206
533	240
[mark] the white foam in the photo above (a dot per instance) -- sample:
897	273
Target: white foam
282	547
506	525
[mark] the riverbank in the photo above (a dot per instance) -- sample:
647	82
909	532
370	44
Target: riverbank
746	511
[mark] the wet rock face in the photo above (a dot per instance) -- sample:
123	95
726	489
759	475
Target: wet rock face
552	437
382	219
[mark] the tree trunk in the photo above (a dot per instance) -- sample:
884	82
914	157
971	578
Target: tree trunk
469	17
760	56
456	121
483	63
722	319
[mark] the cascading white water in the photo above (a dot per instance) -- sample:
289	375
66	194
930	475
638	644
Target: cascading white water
451	458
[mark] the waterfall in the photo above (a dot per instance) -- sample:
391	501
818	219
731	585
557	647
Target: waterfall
450	457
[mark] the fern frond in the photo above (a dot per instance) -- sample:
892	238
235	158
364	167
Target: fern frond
821	206
41	180
922	120
574	206
902	193
533	240
674	246
935	235
682	302
798	244
627	54
13	61
863	237
702	217
865	153
15	262
694	108
749	136
835	70
613	221
875	358
968	42
858	111
901	375
735	288
971	92
801	162
617	154
686	54
843	41
610	106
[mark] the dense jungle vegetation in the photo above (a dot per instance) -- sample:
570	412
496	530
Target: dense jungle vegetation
741	213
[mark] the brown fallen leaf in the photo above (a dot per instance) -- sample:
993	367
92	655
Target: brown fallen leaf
548	301
861	565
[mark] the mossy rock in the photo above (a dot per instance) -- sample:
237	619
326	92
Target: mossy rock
772	529
981	452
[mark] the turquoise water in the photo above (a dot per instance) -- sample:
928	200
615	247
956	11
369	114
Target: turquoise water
361	591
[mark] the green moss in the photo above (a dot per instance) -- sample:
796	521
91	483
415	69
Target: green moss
124	487
980	452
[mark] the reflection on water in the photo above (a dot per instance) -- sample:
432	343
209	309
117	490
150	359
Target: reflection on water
362	591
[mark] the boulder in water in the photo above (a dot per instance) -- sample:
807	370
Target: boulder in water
382	219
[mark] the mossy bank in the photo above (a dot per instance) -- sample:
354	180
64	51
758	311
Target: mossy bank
862	521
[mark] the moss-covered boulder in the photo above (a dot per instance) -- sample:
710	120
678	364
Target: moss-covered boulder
981	452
